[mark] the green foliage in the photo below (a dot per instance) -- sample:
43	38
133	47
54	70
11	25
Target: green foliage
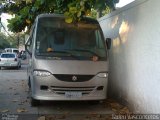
17	23
26	10
11	41
3	41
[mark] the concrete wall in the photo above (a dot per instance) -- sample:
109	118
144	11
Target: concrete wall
135	54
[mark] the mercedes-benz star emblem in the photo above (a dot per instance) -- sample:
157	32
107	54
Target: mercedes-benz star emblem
74	78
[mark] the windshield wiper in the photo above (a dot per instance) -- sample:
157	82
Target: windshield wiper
63	52
85	50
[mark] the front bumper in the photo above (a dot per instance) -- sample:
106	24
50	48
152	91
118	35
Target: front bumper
15	64
49	88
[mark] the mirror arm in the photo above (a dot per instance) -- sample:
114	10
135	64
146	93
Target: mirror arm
108	43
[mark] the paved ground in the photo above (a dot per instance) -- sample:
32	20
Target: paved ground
14	99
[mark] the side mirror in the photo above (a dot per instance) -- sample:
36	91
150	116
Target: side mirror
28	45
108	43
27	49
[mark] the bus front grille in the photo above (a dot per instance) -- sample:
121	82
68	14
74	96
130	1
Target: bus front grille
73	78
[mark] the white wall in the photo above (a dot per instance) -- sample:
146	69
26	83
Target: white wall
135	54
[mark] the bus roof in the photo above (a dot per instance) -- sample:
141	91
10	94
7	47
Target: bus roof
84	19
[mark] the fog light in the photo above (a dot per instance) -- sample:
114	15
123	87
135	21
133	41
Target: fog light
100	88
43	87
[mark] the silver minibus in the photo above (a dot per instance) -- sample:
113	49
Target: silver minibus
67	61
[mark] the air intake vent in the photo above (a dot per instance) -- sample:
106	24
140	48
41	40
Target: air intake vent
84	90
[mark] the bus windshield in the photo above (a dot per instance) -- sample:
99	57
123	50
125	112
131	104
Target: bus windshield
69	41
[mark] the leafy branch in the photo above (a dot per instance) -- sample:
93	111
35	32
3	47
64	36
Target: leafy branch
26	10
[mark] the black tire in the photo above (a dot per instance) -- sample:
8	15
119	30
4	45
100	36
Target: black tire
35	102
29	83
94	102
17	67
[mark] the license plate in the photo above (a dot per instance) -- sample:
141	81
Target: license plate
73	94
7	64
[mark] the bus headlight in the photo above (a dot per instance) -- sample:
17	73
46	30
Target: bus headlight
41	73
102	75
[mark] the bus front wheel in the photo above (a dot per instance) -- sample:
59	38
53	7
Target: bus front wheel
35	102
